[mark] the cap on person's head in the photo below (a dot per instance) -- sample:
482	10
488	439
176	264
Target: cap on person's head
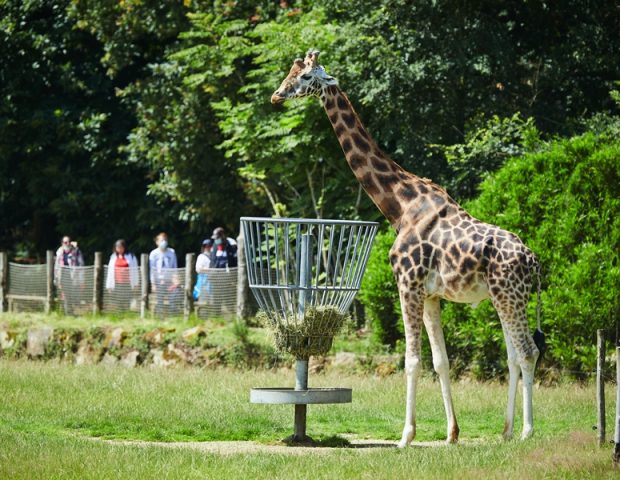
207	242
218	233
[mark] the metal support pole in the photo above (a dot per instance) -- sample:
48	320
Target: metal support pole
301	365
144	284
188	304
49	296
98	284
4	284
305	272
617	430
301	383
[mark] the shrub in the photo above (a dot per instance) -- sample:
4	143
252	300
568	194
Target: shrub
379	293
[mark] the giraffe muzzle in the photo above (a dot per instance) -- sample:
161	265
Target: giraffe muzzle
276	98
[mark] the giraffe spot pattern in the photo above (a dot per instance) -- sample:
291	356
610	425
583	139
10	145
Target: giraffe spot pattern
349	119
360	143
356	161
346	145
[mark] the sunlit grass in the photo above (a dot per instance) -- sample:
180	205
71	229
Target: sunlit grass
49	412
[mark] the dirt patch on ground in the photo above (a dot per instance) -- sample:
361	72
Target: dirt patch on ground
249	447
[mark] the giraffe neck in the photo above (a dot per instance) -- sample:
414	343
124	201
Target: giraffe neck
385	182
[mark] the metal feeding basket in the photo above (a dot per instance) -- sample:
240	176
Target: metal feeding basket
304	275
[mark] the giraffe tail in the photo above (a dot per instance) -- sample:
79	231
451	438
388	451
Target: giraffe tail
539	336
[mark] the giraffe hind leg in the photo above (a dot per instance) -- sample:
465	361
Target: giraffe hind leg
513	381
511	307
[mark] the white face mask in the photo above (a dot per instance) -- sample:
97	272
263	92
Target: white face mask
163	245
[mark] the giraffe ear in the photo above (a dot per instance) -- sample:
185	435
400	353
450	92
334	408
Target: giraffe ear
312	58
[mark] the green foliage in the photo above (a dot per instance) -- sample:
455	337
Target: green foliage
564	203
379	293
126	118
486	149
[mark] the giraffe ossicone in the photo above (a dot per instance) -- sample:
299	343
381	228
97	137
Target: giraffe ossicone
441	252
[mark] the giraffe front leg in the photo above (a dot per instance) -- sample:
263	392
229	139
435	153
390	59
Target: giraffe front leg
412	308
441	364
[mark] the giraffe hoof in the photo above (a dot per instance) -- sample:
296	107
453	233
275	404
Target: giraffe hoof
527	433
507	436
453	434
407	438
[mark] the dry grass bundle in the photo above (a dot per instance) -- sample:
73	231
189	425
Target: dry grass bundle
311	334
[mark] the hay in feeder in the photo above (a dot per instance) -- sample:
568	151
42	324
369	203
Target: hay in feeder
311	334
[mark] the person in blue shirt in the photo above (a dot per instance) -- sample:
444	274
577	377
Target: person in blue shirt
162	265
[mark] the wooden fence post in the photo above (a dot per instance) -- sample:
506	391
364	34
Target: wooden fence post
144	284
617	426
49	298
4	284
98	284
188	304
246	306
600	387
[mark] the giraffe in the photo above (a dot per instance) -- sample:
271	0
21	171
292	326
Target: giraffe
440	252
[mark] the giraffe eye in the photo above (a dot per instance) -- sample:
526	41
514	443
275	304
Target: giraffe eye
305	77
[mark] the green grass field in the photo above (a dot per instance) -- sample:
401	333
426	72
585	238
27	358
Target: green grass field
53	417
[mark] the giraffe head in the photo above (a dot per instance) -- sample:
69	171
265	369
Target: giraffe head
306	78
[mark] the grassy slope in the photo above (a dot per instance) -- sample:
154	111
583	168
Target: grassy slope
47	410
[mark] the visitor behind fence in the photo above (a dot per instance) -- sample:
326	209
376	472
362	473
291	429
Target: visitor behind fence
68	280
203	264
161	260
123	275
224	255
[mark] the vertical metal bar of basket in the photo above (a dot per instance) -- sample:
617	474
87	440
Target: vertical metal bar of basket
258	246
267	235
305	272
328	263
276	265
319	255
301	364
287	281
345	268
337	264
364	239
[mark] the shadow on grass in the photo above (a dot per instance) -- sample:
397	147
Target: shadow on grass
336	441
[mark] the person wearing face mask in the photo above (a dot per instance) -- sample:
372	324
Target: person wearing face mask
161	260
224	253
203	265
123	275
68	280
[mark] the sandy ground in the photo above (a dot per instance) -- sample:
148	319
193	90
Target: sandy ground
248	447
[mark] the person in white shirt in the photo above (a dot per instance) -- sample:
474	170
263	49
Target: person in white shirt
123	275
203	264
161	262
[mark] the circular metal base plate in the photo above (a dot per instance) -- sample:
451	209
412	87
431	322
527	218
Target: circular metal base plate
275	396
